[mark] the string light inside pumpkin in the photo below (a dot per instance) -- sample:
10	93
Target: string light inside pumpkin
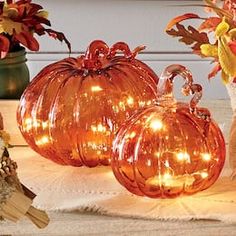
177	148
72	110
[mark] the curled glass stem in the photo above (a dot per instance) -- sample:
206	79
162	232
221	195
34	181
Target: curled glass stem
98	54
94	54
165	88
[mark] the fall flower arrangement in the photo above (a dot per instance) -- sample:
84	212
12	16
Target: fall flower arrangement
20	21
222	26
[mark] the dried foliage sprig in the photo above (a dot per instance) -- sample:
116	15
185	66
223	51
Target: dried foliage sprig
223	28
20	21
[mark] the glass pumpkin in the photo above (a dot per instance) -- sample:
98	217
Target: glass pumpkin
169	148
72	108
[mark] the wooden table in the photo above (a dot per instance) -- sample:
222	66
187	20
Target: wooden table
76	223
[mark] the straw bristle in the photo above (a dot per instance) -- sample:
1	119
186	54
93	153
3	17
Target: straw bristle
16	206
38	217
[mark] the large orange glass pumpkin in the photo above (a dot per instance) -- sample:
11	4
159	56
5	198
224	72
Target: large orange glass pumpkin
71	110
169	148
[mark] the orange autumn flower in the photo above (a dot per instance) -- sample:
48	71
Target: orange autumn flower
223	28
19	22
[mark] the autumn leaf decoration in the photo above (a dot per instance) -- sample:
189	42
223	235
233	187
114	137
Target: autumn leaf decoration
19	22
223	29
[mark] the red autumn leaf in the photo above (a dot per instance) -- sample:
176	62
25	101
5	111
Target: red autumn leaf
214	71
28	41
189	36
179	19
21	12
36	20
34	9
22	2
210	24
42	20
58	35
39	29
4	46
232	46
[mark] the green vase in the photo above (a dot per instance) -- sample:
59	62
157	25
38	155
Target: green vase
14	75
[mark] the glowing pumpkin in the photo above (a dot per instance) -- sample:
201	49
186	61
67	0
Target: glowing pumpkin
71	110
169	148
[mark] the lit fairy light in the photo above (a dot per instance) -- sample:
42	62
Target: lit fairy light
204	175
130	101
149	162
206	156
36	124
31	123
132	134
156	125
96	89
157	154
28	121
182	156
122	105
28	124
99	128
141	103
167	176
42	141
45	124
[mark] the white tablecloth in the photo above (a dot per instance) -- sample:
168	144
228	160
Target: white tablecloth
67	188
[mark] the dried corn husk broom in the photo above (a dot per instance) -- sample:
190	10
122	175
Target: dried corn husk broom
15	199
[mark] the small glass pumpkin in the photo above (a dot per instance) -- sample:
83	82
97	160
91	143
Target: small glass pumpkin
169	148
71	110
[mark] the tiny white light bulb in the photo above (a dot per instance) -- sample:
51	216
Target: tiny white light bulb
182	156
206	156
156	125
204	175
167	176
96	89
130	101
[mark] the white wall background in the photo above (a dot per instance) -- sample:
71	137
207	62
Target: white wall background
136	22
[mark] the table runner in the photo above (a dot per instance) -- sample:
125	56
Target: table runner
64	188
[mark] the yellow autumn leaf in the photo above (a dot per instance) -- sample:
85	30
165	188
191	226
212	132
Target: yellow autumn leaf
222	28
9	11
224	77
1	28
43	14
227	58
9	26
209	50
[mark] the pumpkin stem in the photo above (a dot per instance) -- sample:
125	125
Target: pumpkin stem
165	89
120	46
123	47
138	50
96	51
